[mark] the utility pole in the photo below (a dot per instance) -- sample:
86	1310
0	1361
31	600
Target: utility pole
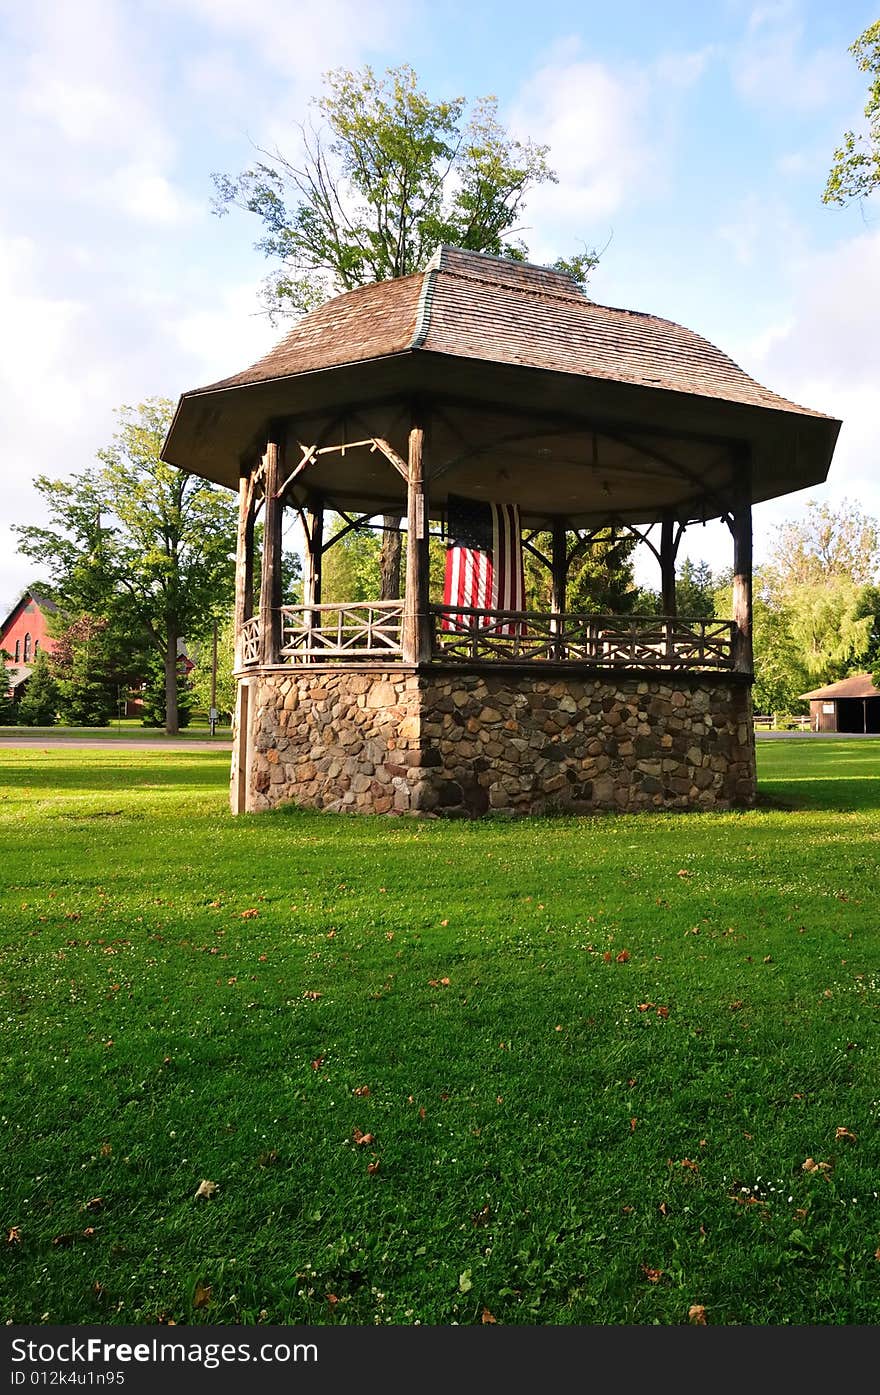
213	713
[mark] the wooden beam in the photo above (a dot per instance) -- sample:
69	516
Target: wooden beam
315	548
558	565
270	580
417	619
667	564
390	453
740	524
244	561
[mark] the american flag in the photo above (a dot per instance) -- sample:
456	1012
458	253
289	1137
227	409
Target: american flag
484	565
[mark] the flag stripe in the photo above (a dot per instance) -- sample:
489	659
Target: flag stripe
484	565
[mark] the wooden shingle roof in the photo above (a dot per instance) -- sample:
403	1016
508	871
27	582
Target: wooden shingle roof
589	409
474	306
858	685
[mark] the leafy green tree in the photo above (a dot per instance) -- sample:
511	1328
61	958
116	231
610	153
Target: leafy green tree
139	542
825	624
386	177
855	170
39	705
351	568
84	671
600	576
154	695
825	543
7	706
200	678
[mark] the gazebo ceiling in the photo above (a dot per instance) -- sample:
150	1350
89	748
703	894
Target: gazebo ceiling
535	394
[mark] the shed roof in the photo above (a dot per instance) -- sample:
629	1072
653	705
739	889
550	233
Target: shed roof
858	685
516	338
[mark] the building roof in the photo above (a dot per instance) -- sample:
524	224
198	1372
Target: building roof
47	606
514	338
858	685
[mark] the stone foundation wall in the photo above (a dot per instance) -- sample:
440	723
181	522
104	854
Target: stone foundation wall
459	743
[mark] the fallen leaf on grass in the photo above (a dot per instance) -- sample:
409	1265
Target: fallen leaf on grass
312	996
810	1165
663	1012
317	1063
845	1133
361	1138
623	957
686	1162
652	1275
362	1090
95	1204
373	1167
487	1317
202	1296
207	1189
106	1149
250	914
481	1217
632	1125
877	1252
737	1005
13	1235
645	1007
697	1315
438	982
61	1240
332	1300
682	872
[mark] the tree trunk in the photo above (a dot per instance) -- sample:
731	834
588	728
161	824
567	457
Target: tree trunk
171	722
389	558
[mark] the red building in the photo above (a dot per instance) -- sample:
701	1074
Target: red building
23	634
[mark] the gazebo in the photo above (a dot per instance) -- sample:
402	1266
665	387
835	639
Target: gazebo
490	380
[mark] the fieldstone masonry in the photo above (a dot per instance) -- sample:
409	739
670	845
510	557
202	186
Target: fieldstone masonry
464	743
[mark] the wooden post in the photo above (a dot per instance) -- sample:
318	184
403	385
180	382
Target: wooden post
244	561
314	559
741	528
558	584
667	564
270	581
418	636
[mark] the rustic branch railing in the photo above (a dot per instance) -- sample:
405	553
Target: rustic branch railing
364	629
250	641
608	641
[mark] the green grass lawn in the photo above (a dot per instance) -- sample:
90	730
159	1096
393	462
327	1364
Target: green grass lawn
128	729
586	1059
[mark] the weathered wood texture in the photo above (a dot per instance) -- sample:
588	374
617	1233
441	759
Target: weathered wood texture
270	587
417	620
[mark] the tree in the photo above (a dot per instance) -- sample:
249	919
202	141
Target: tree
83	668
600	577
149	546
386	178
855	171
155	695
7	707
827	543
826	626
200	678
39	705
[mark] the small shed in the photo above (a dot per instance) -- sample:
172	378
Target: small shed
852	705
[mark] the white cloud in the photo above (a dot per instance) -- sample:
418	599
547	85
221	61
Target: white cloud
826	355
611	133
774	67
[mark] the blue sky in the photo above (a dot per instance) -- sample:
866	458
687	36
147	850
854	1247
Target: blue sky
694	139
